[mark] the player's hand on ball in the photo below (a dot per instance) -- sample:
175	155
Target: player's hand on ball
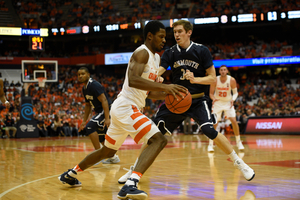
175	90
159	79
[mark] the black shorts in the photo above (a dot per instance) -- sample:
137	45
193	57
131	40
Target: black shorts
97	124
200	111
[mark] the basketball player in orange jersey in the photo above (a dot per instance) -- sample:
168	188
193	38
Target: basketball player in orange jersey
126	117
2	95
190	62
220	94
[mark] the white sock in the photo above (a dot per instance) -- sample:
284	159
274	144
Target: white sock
72	174
238	138
233	156
211	142
114	156
132	176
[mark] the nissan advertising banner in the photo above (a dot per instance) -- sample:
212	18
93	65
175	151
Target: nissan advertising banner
273	125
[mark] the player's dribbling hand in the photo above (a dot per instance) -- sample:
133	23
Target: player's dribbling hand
175	89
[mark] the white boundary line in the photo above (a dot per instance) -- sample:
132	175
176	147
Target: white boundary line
7	191
96	168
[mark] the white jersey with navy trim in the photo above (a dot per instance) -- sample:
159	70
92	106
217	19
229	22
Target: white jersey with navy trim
150	73
223	90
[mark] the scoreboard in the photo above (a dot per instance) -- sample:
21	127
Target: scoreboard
36	43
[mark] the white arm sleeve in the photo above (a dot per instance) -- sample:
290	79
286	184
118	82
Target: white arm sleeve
235	94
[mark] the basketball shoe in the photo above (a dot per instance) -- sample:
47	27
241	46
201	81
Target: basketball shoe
131	192
67	177
247	172
240	145
112	160
210	148
124	178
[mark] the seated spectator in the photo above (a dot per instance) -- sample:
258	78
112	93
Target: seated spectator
74	126
9	125
43	132
66	126
57	126
2	127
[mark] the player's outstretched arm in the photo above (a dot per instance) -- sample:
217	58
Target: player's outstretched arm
207	80
136	68
105	106
234	90
212	91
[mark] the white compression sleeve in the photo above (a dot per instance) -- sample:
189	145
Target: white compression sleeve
235	94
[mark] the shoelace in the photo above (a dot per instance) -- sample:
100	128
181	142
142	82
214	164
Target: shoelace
135	182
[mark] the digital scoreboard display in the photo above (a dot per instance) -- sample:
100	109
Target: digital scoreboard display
36	43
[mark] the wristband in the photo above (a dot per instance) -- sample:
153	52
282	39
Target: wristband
6	101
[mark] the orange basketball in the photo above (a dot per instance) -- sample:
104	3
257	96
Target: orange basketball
180	106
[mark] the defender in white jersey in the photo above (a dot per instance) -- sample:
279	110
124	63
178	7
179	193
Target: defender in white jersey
126	118
220	93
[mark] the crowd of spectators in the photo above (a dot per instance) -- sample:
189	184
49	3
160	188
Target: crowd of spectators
50	13
219	51
3	6
58	107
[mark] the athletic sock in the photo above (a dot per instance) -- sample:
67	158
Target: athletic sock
211	142
134	175
77	169
238	138
233	156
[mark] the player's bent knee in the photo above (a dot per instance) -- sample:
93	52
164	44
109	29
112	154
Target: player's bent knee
209	131
107	152
158	138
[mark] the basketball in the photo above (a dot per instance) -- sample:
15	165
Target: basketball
180	106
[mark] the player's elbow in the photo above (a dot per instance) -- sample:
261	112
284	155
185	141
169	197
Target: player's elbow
133	81
213	79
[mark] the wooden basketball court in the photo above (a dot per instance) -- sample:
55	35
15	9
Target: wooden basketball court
184	170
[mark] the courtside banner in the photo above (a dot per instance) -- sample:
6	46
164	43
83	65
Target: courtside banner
286	125
117	58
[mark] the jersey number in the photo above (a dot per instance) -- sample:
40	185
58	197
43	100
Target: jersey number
222	94
183	73
92	104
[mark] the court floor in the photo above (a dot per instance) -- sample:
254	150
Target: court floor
184	170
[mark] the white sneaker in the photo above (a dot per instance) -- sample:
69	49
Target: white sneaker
210	148
124	178
240	145
247	172
112	160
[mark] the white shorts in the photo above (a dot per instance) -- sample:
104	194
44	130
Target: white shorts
126	120
220	106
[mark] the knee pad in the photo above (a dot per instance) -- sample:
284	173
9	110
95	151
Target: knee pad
209	131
